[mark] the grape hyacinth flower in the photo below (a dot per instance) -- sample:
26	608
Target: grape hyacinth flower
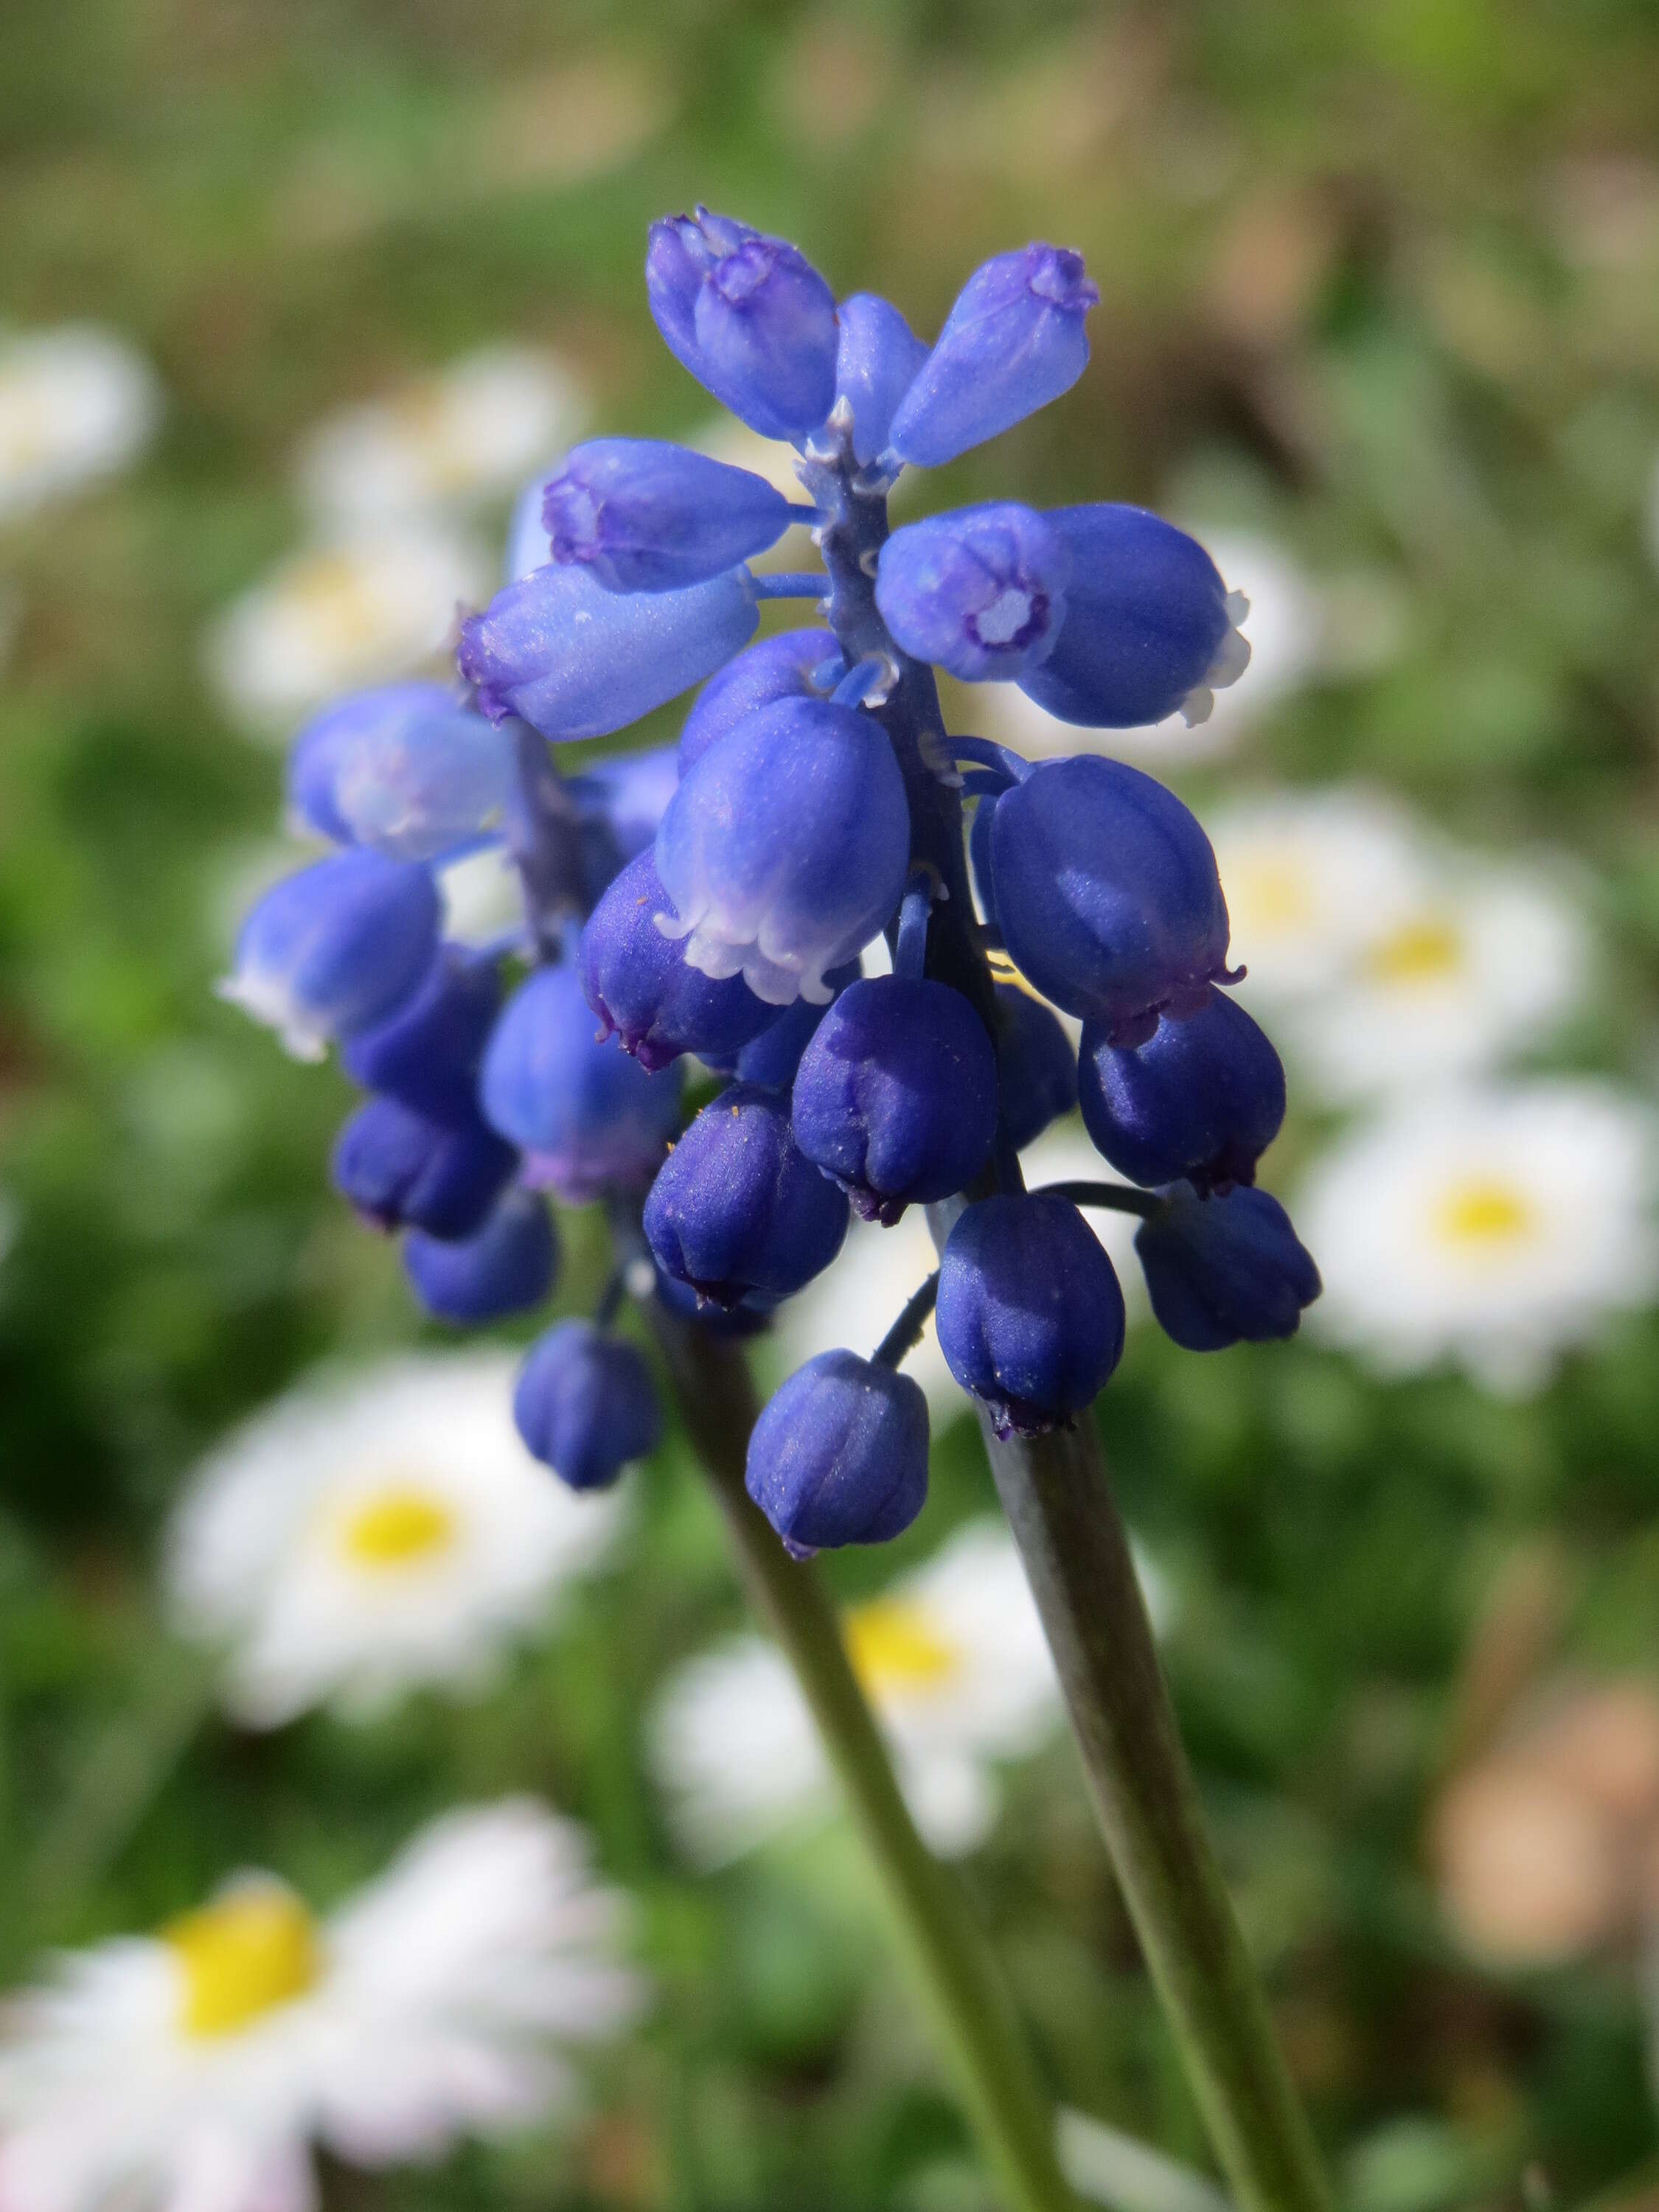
716	901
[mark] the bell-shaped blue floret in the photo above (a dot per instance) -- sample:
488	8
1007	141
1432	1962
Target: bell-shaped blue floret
749	316
402	1170
981	591
1202	1099
642	988
1149	627
737	1208
1107	893
896	1095
1013	341
590	1122
1219	1270
642	515
785	849
777	668
427	1053
629	792
770	1060
507	1266
877	361
586	1405
1036	1066
335	948
577	661
407	770
1031	1317
839	1455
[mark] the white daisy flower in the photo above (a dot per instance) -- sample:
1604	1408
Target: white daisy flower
369	1534
953	1660
471	432
853	1303
1484	963
193	2070
352	611
77	404
1492	1227
482	897
1283	628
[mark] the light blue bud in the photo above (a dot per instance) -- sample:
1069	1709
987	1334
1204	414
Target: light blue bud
406	769
876	363
981	591
777	668
1013	341
335	949
577	661
749	316
642	515
784	850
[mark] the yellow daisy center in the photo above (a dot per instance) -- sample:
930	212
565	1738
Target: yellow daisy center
244	1955
1484	1212
26	426
397	1527
1269	894
1425	950
332	594
894	1646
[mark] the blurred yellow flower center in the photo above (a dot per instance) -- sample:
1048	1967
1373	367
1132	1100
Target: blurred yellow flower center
398	1526
1269	894
424	415
331	592
26	426
1417	952
1484	1212
250	1952
894	1646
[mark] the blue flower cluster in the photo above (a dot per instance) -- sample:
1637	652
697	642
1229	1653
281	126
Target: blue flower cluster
714	901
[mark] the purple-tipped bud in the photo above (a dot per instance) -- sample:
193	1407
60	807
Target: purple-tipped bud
785	849
1031	1317
895	1097
737	1208
777	668
406	769
749	316
1202	1099
584	1404
981	591
641	516
577	661
1013	341
640	984
335	949
427	1053
590	1122
839	1455
507	1266
1149	628
1107	893
876	363
401	1170
1220	1270
1036	1066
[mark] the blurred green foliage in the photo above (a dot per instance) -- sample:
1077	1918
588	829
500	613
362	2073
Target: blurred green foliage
1382	280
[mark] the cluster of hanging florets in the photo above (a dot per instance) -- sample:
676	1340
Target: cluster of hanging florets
715	902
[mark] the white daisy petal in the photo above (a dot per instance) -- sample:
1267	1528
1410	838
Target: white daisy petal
369	1534
77	404
1494	1227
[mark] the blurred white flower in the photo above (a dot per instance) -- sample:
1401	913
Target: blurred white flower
1493	1227
470	432
77	403
1284	628
366	1535
953	1660
193	2070
355	611
482	897
853	1303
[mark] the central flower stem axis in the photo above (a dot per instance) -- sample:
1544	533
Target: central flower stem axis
1059	1505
